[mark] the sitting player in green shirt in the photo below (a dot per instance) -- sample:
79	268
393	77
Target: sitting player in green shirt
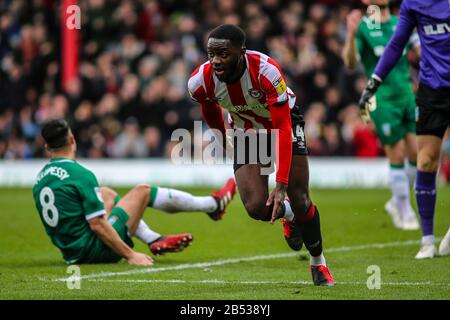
91	224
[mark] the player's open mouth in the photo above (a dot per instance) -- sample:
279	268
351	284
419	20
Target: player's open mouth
219	72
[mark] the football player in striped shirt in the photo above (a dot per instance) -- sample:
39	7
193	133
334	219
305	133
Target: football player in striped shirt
252	88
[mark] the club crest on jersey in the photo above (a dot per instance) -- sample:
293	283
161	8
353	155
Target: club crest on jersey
255	93
279	85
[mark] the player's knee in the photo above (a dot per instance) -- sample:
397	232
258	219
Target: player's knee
427	162
143	190
108	194
256	209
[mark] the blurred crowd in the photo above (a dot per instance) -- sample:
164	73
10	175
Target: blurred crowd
134	62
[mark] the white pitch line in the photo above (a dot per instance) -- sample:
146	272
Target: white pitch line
239	260
218	281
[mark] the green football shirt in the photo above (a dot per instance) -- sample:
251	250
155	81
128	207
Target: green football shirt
67	195
370	44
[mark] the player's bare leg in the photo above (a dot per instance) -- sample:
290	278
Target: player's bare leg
170	201
399	206
307	220
429	148
108	196
134	204
253	189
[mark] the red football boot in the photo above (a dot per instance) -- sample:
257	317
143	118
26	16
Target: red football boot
321	276
171	243
223	198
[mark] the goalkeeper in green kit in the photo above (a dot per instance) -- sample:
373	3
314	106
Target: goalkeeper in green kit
393	108
91	224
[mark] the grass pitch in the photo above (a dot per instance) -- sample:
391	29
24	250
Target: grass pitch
236	258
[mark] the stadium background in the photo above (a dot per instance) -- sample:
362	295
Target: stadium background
135	58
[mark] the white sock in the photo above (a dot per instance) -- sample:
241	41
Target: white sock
428	240
411	171
288	213
316	261
145	234
172	201
398	182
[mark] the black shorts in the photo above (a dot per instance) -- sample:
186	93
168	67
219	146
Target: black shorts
433	111
258	146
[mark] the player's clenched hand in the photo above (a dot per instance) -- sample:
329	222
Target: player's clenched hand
140	259
353	20
277	198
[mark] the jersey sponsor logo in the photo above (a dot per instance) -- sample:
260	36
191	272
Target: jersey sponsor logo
54	171
439	28
376	34
255	93
279	85
239	108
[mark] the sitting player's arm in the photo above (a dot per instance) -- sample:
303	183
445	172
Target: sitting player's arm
105	231
92	202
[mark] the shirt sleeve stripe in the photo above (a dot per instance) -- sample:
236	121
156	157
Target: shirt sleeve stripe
95	214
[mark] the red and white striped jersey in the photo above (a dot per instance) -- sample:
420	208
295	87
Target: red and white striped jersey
246	100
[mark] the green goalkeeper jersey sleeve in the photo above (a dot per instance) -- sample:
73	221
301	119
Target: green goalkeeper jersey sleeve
67	195
371	39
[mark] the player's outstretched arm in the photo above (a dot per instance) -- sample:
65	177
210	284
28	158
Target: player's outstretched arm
281	120
103	229
349	53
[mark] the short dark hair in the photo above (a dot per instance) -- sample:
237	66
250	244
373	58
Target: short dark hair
56	133
230	32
